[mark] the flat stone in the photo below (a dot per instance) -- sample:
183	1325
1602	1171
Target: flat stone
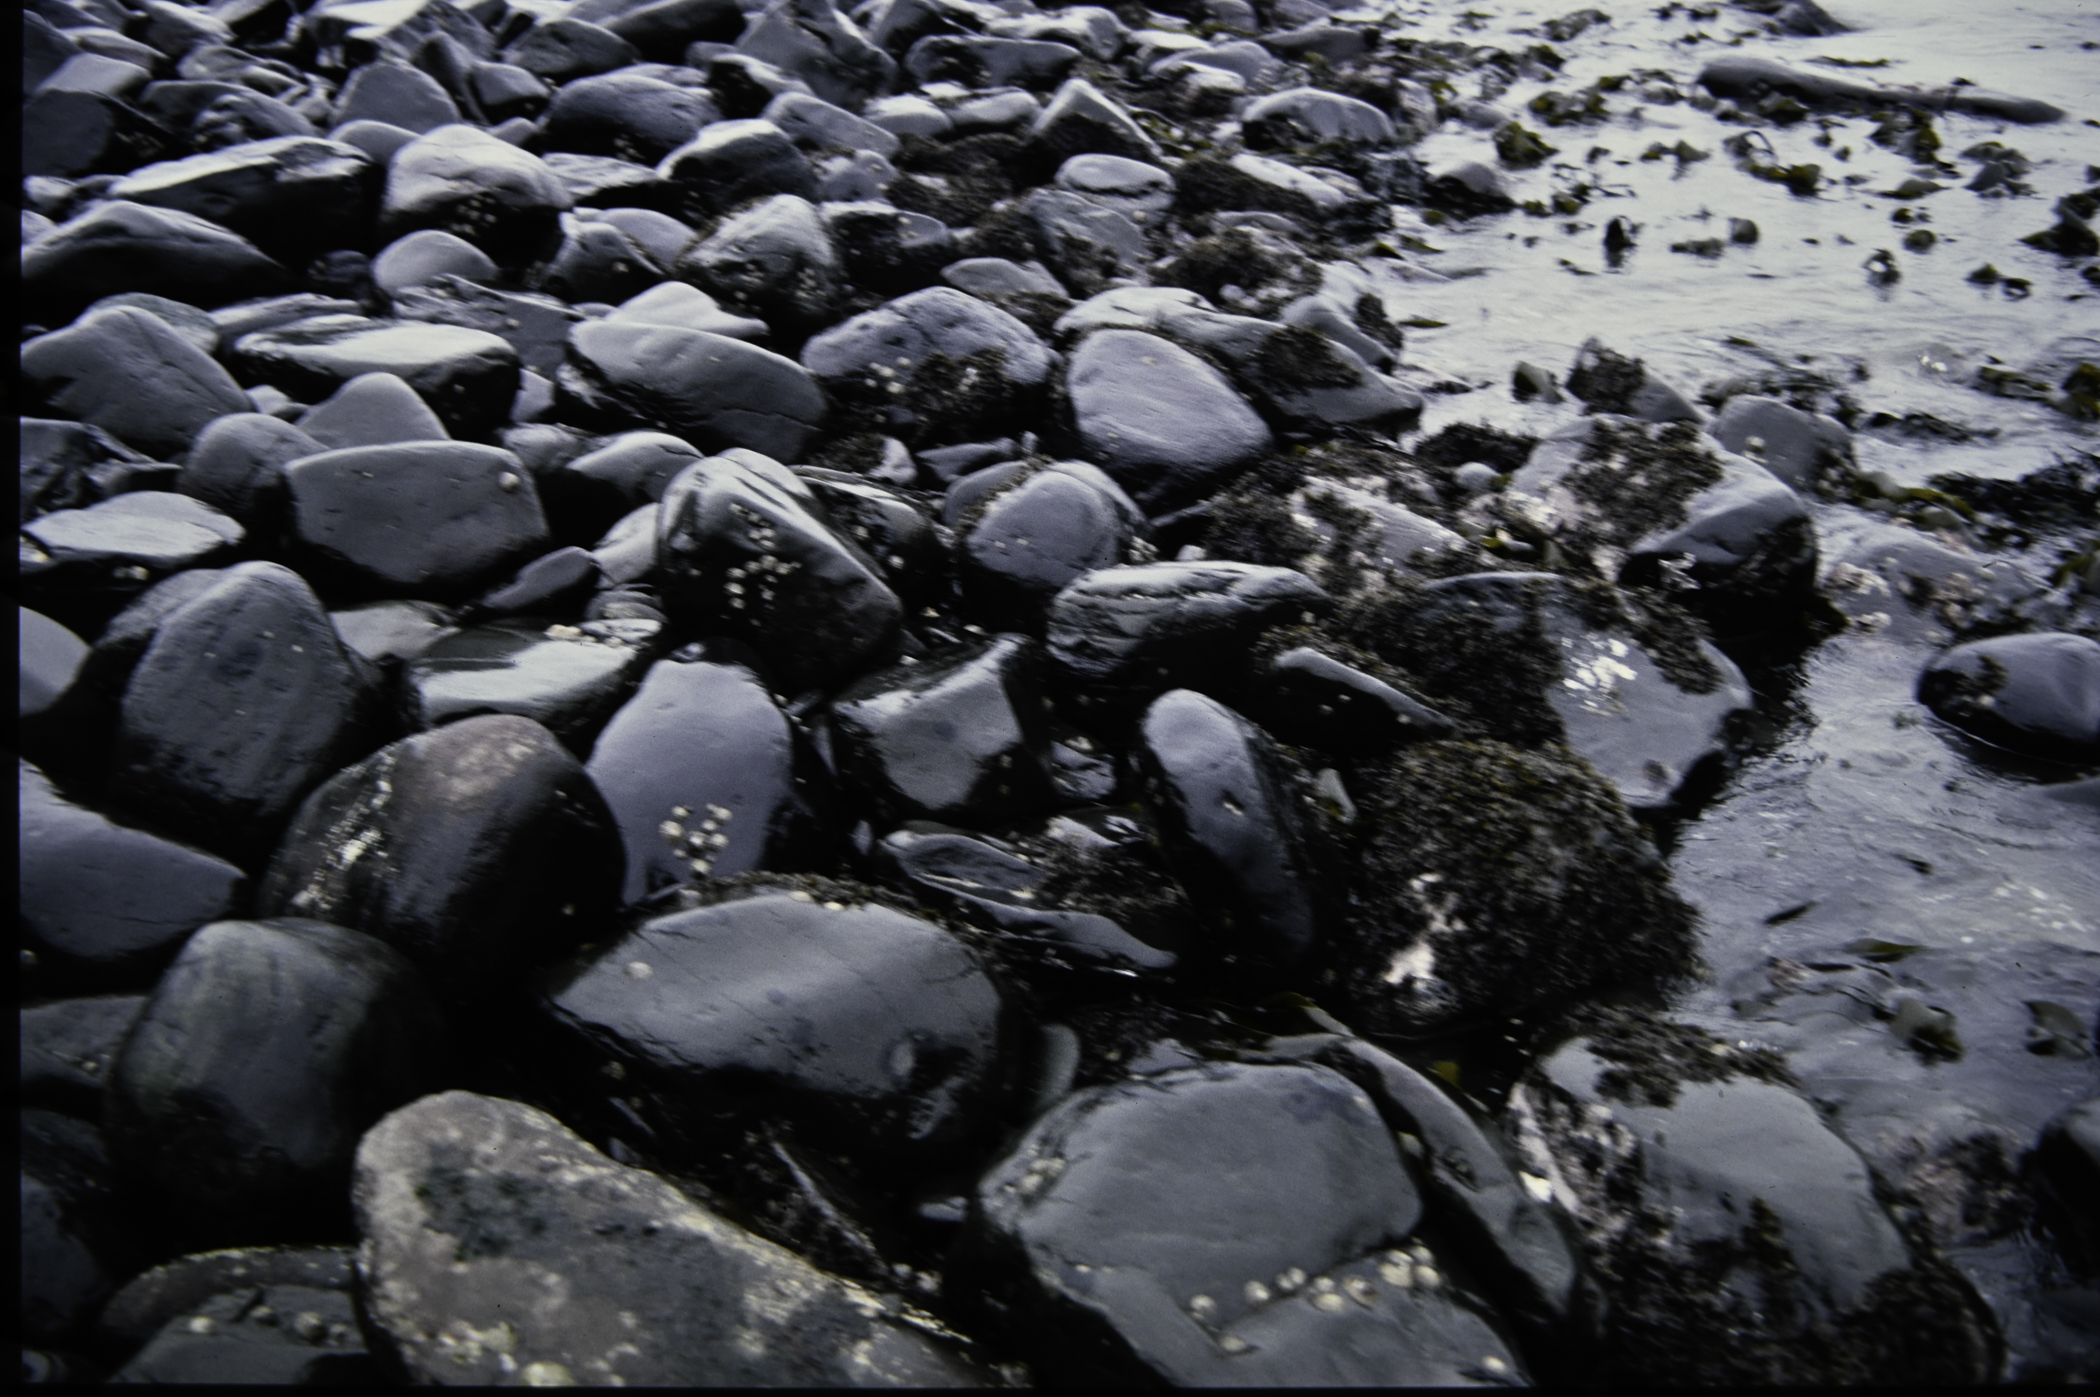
714	391
1161	421
468	377
130	373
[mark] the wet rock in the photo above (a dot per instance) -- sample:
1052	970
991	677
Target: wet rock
536	327
961	739
478	849
979	61
469	377
884	524
1278	1264
77	1240
131	374
1610	382
237	464
742	545
51	657
991	886
83	564
64	465
713	391
811	40
1228	805
437	518
66	1047
453	1198
682	307
1085	244
1161	421
467	182
933	366
1895	581
1039	531
1639	694
2036	693
278	1334
560	49
67	133
397	94
1493	878
152	1299
596	262
887	249
1124	635
265	1051
241	701
707	778
555	582
292	195
1307	696
372	410
103	902
120	246
1752	79
1308	116
626	115
870	1029
730	163
591	492
1801	448
419	259
1653	506
1081	120
1697	1178
774	261
1361	534
569	679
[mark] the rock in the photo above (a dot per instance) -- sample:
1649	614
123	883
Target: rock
479	850
1650	506
152	1299
597	262
882	521
397	94
1278	1263
237	465
1752	79
553	582
2036	693
682	307
1165	424
626	115
743	546
713	391
1307	116
372	410
241	701
560	49
81	565
436	518
536	327
1610	382
469	377
1695	1176
660	236
100	902
591	492
278	1334
293	196
568	679
377	139
1038	531
1227	802
812	41
1801	448
961	739
1362	535
934	366
976	61
869	1029
448	1299
77	1238
1080	120
815	124
70	133
663	29
993	887
1492	879
265	1051
774	261
122	246
50	659
1085	244
1469	189
1641	696
1314	699
63	464
1141	191
1123	635
730	163
66	1047
887	249
706	777
467	182
130	373
419	259
1895	581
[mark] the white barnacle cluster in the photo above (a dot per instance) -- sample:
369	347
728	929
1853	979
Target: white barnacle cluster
700	844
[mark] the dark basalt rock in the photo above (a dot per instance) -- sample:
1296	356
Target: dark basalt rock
744	547
454	1198
67	134
597	262
131	374
568	679
713	391
536	327
992	886
83	564
67	465
286	1335
811	40
419	518
101	902
1315	699
1228	805
775	261
887	249
1165	424
469	377
372	410
870	1029
237	465
2034	693
556	583
293	196
153	1299
707	778
66	1049
885	525
591	492
241	701
979	61
1280	1262
1038	531
961	739
264	1052
626	115
1492	879
397	94
1610	382
934	366
479	849
730	163
122	246
419	259
1081	120
566	48
78	1239
1801	448
1897	582
1697	1178
467	182
1123	635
